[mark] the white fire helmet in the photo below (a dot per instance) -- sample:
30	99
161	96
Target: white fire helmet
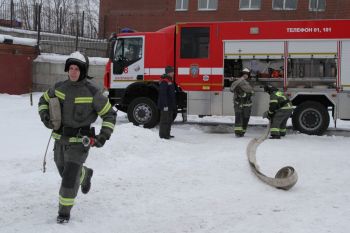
80	60
245	70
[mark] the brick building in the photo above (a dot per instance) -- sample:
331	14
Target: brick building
151	15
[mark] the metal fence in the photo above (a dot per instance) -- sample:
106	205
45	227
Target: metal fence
57	31
60	20
68	44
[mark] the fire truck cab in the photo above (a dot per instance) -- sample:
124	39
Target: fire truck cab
308	60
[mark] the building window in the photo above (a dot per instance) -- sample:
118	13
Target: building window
284	4
207	5
249	4
317	5
181	5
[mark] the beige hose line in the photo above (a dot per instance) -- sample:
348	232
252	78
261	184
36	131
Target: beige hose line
285	178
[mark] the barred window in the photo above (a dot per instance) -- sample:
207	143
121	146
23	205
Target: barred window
284	4
317	5
207	4
249	4
181	5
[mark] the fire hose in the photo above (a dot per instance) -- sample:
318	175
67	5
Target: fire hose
284	179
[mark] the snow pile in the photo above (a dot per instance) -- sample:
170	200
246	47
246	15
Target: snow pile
58	58
18	40
200	181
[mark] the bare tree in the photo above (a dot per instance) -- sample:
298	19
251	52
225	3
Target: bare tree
2	3
61	11
91	7
91	10
25	13
60	16
3	9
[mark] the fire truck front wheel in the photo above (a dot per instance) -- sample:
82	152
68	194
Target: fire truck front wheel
311	118
143	111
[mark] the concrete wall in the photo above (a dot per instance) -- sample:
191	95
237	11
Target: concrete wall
62	44
46	74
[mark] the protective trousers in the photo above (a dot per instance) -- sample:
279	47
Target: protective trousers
69	159
166	119
279	122
242	115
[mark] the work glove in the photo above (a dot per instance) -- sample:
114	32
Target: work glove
269	116
265	115
165	109
45	118
100	140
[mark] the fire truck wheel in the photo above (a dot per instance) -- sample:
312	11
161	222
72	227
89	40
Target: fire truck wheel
143	111
311	118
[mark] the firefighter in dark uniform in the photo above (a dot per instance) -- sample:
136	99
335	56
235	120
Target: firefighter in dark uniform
242	99
166	102
280	109
81	102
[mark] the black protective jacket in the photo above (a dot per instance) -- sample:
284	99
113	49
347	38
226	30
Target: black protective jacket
81	102
167	96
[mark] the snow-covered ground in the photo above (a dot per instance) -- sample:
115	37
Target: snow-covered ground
199	181
18	40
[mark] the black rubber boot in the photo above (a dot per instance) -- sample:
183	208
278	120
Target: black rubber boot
275	137
63	218
86	185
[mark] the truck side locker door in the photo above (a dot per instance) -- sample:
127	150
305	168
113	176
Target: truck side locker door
199	73
343	106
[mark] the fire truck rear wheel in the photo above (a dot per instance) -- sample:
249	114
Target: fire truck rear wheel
143	111
311	118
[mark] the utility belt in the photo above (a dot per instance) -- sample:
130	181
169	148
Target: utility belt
246	95
243	102
77	132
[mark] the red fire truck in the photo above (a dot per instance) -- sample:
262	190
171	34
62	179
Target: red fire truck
309	60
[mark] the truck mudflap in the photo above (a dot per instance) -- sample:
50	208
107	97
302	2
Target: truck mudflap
284	179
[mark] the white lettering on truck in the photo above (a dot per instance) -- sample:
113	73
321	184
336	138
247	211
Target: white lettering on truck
308	30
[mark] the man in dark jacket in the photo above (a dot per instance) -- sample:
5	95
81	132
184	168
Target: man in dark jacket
81	102
242	102
280	109
166	102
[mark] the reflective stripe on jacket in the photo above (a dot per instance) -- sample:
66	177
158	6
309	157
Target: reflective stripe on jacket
279	101
81	103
